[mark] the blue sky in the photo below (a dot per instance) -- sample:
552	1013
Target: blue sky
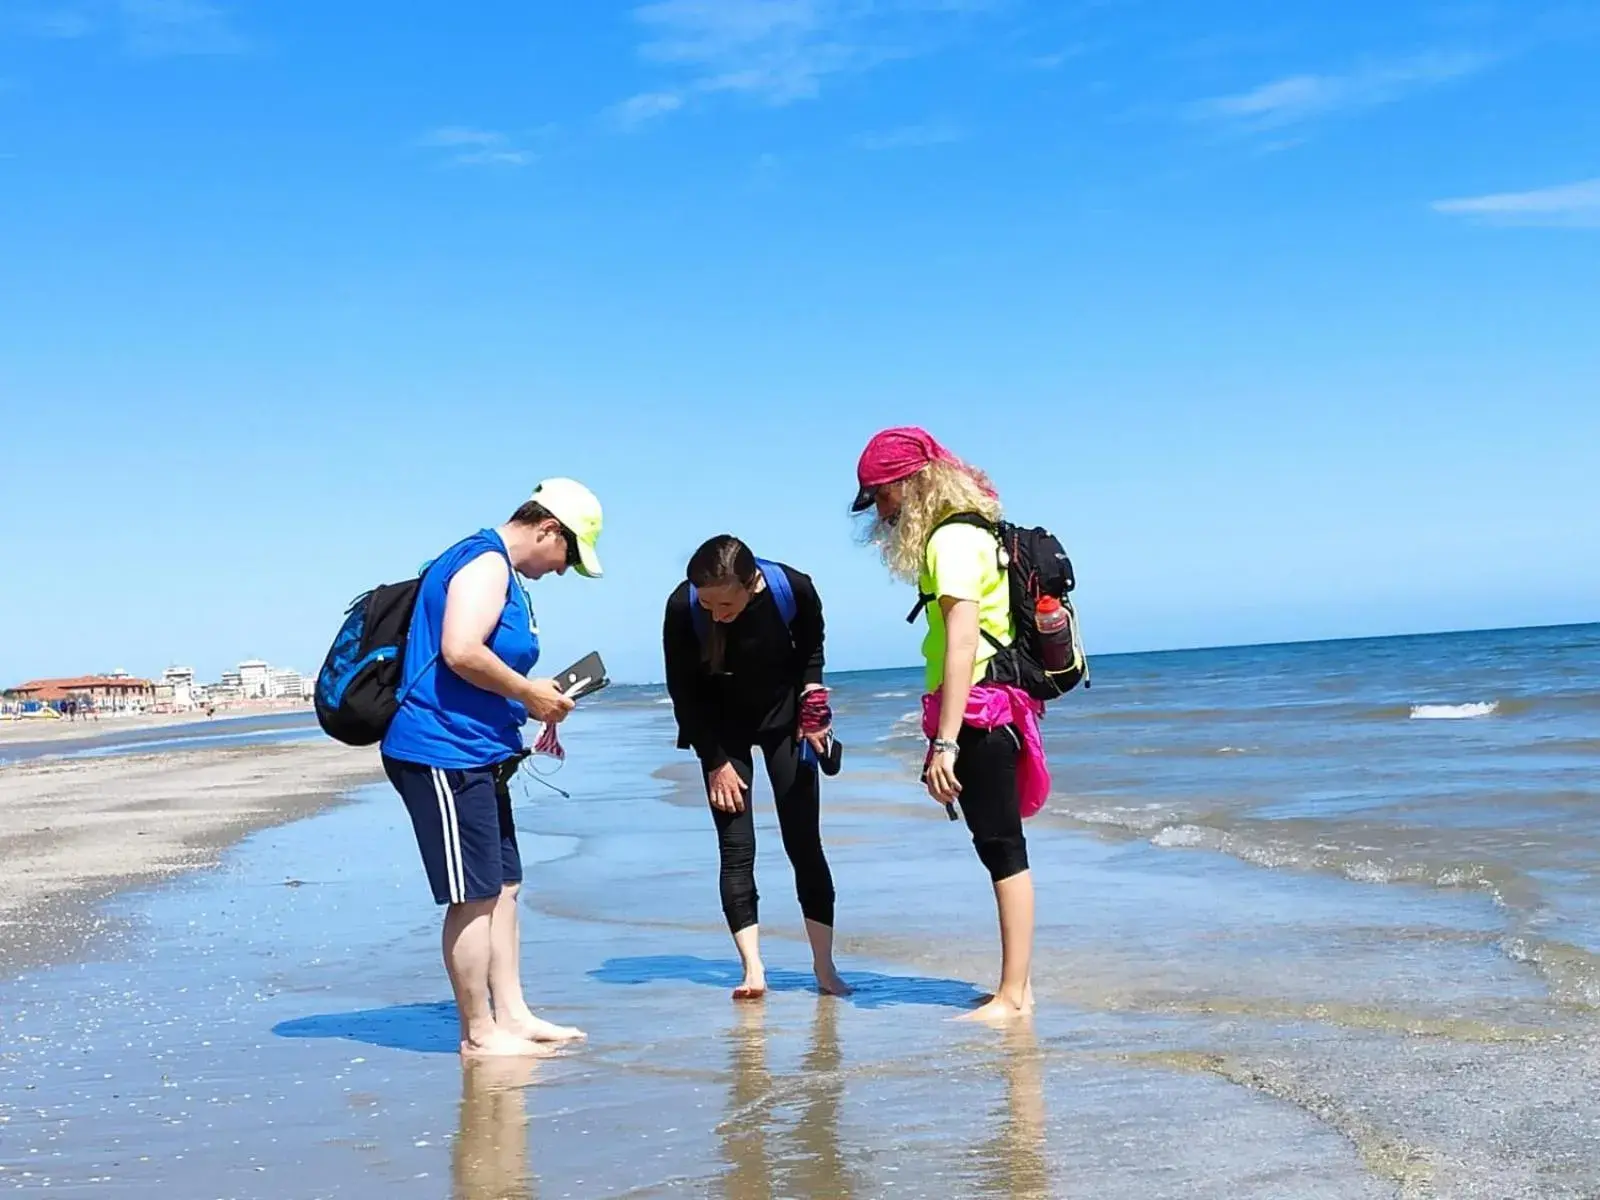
1283	316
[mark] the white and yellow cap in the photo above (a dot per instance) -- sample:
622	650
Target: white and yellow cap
578	509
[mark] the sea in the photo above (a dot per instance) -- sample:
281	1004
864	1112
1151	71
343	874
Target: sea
1315	920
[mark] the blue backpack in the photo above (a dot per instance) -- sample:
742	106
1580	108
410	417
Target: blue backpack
777	583
358	687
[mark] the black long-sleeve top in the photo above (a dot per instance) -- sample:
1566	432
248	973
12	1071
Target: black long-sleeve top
765	665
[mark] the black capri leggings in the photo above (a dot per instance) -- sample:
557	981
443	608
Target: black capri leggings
797	795
986	768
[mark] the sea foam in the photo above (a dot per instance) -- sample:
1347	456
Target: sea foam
1453	712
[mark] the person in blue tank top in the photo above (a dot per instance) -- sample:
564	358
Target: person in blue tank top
466	693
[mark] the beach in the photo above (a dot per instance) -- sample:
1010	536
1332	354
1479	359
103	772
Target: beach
74	831
1299	936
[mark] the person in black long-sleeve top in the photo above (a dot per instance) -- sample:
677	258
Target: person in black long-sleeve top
736	673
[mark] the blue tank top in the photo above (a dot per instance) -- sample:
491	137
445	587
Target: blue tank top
444	721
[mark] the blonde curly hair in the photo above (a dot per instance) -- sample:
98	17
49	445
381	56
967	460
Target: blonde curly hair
938	491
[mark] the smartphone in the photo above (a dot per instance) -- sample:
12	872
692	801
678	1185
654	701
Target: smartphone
583	678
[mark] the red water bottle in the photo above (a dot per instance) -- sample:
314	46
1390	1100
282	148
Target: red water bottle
1055	633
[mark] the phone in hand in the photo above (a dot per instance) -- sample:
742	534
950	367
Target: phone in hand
950	808
583	678
829	761
832	758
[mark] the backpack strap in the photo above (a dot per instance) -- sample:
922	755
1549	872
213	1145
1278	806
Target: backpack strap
977	521
782	590
701	619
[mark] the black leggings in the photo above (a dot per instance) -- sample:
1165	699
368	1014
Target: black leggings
797	795
986	769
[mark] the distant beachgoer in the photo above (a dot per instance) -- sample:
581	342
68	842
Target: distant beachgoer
742	677
911	484
466	695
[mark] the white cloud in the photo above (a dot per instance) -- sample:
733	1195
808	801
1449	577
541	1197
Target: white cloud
65	24
147	28
1300	98
910	137
781	51
1059	58
158	28
646	106
1570	204
465	146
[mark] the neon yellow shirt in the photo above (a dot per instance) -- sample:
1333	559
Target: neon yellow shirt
962	562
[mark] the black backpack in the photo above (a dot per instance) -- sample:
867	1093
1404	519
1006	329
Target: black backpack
358	688
1036	565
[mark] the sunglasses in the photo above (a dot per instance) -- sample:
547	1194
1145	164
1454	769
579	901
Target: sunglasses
574	556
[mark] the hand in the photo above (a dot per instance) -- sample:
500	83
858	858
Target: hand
819	741
546	703
726	789
941	778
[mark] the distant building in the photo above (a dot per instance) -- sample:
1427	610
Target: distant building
289	684
255	678
116	692
177	689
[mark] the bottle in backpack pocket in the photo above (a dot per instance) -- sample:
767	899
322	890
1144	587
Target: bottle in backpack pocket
1055	633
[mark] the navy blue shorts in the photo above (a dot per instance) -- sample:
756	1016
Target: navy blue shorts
464	829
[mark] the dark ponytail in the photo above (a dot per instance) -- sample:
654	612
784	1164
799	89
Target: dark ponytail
722	560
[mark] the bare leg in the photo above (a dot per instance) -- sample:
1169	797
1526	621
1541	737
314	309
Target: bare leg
467	951
1014	898
511	1011
748	943
821	938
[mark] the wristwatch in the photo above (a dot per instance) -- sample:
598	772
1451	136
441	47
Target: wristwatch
945	746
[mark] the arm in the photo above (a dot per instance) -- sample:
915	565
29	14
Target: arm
955	565
472	607
810	631
960	656
686	682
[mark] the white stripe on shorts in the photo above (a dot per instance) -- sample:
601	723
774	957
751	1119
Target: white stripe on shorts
456	879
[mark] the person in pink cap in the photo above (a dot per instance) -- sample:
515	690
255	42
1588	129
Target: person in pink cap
912	486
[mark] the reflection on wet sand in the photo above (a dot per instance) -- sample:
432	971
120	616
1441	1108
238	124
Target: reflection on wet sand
1014	1161
490	1159
768	1155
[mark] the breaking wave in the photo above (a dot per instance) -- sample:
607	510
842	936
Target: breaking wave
1454	712
906	728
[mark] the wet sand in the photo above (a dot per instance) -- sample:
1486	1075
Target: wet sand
75	831
1206	1029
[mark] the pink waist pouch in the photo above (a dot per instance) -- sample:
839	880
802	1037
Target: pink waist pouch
993	707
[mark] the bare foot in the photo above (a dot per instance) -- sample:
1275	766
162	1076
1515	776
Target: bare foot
1027	999
537	1029
997	1011
829	982
501	1044
754	986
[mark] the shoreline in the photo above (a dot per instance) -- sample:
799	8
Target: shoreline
39	729
74	833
